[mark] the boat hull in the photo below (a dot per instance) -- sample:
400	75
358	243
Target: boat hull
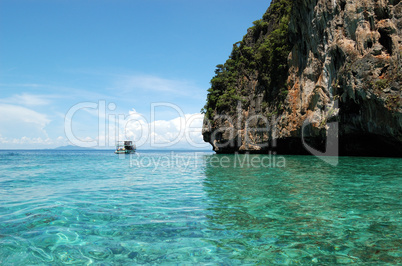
125	152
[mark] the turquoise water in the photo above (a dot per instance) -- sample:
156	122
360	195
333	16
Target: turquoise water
95	207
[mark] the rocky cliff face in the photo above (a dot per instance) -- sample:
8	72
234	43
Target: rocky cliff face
339	81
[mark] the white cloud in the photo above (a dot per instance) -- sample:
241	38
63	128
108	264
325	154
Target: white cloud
32	142
63	92
180	132
27	99
17	121
22	85
155	84
28	130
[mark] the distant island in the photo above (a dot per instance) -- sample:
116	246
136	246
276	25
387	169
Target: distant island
72	148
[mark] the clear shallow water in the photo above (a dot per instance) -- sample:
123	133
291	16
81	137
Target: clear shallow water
77	207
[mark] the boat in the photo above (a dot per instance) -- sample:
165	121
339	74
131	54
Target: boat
125	147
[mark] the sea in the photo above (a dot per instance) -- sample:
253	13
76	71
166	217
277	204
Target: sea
192	207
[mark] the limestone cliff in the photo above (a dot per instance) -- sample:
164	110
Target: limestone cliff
309	70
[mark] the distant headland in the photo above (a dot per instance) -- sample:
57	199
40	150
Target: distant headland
72	148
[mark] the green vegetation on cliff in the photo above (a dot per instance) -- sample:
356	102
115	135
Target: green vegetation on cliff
261	55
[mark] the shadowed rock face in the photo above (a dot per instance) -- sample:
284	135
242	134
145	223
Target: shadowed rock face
344	78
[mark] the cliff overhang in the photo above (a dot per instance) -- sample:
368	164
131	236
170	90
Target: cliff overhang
312	75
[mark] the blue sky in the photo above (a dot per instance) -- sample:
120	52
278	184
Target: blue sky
124	55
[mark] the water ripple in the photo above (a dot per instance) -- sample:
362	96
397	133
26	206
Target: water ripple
92	207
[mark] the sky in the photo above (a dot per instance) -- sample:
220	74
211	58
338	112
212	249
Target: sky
88	72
